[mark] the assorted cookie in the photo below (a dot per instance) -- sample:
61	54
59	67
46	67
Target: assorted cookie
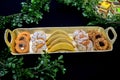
99	40
82	40
60	41
38	42
90	40
22	42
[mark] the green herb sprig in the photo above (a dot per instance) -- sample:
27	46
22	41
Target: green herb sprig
45	68
31	12
88	10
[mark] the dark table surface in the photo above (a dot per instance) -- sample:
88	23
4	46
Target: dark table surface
81	66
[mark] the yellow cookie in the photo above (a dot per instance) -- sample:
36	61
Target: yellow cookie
58	40
61	46
52	38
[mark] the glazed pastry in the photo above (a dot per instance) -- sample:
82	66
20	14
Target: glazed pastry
27	34
86	45
80	35
37	45
21	38
38	42
93	35
22	42
22	47
82	40
41	49
38	35
101	44
97	35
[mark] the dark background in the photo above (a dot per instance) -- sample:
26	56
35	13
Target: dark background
80	66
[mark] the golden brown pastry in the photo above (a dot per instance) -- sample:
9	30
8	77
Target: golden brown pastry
22	42
22	47
101	44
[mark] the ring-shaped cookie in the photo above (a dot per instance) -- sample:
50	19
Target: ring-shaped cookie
22	47
97	35
21	38
93	35
101	44
27	34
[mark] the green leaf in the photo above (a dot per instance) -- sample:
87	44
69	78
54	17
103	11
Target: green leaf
14	60
10	59
19	25
41	78
32	1
9	65
55	70
13	71
13	65
31	75
78	8
84	14
14	77
91	23
36	76
64	70
3	73
60	57
46	8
